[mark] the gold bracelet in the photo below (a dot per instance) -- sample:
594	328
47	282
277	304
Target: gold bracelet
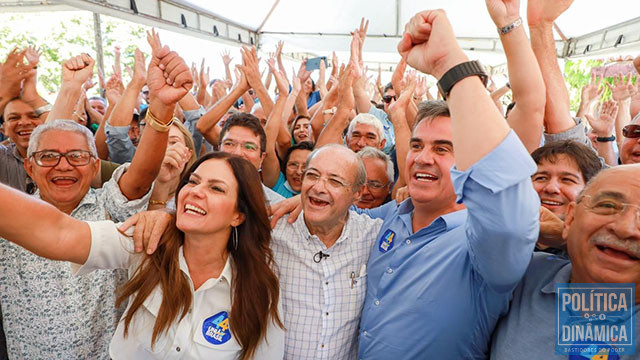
157	202
156	124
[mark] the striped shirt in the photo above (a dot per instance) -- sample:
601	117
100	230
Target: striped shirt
323	300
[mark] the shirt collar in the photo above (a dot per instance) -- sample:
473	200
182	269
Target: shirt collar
15	152
288	187
451	220
227	272
563	276
302	229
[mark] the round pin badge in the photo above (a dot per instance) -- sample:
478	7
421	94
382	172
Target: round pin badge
215	329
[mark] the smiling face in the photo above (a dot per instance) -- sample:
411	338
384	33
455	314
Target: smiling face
429	162
98	105
606	248
373	195
295	168
207	204
301	130
242	141
364	135
327	187
63	185
19	121
630	149
558	183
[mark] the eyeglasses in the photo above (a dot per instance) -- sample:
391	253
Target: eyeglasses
245	146
312	178
631	131
50	158
375	185
293	166
388	98
610	207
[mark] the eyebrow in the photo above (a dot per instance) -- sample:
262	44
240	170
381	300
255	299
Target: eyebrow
563	173
210	181
610	194
328	175
443	142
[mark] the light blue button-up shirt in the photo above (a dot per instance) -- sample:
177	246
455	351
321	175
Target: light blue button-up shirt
439	292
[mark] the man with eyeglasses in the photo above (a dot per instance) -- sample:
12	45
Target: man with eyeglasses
602	230
377	189
630	149
47	312
243	135
322	258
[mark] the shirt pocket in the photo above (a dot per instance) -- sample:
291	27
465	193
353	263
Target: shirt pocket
357	288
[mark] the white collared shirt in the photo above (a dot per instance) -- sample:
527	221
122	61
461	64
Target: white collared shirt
323	300
202	334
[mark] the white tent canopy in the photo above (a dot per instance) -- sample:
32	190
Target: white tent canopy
592	28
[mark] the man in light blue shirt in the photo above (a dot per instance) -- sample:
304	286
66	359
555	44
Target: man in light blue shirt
445	263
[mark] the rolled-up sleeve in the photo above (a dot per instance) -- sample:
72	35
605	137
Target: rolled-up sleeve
118	207
110	249
191	118
503	212
121	149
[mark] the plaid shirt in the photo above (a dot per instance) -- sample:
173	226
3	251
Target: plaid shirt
323	300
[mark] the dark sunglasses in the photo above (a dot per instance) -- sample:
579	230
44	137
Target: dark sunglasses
631	131
388	98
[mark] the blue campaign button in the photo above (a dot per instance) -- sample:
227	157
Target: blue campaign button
386	241
215	329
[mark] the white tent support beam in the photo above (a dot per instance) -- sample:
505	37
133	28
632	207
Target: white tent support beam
398	17
625	34
19	6
172	16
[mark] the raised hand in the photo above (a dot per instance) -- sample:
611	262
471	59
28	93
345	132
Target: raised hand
168	76
113	89
250	67
421	87
226	57
398	74
175	158
593	90
32	54
398	108
345	87
139	70
622	89
545	12
429	44
281	79
503	12
362	31
303	73
12	72
77	69
603	125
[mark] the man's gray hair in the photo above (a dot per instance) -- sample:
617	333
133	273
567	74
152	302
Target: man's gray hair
61	125
366	119
369	152
361	172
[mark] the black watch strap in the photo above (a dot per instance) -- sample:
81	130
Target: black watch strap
606	139
459	72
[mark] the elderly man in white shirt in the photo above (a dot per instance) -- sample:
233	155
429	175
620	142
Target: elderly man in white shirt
322	258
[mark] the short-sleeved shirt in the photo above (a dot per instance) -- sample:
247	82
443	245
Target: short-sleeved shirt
528	331
121	149
439	292
323	298
204	333
50	314
12	170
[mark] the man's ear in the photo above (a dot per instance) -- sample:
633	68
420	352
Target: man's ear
568	219
28	167
382	143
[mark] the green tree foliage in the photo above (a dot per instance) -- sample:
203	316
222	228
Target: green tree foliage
70	34
577	73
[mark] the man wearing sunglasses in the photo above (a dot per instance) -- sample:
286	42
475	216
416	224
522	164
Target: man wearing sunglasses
630	149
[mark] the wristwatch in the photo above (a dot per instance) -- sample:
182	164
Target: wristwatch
43	109
459	72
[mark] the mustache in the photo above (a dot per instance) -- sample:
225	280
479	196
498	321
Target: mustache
631	247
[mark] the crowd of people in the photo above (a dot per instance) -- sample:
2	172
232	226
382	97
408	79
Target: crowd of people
184	217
